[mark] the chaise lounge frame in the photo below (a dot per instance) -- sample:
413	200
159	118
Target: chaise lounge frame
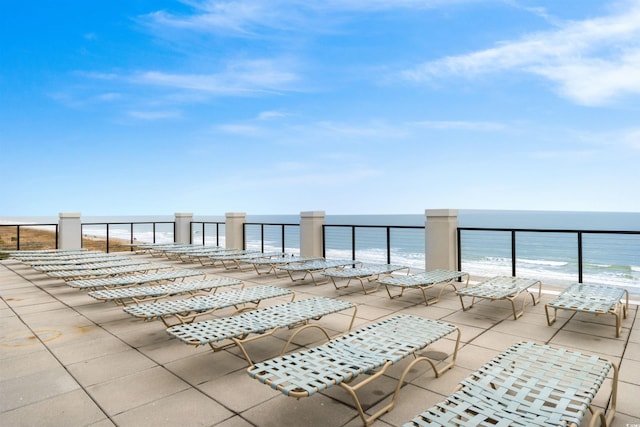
365	273
260	323
141	294
502	288
591	298
425	281
314	266
187	310
528	384
134	279
370	351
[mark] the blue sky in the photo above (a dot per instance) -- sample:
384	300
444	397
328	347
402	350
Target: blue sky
352	107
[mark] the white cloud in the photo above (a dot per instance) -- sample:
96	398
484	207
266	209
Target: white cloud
461	125
241	129
269	115
155	115
631	137
239	78
246	18
590	61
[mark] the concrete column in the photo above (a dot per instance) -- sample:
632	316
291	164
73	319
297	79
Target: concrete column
233	233
69	230
183	228
311	223
441	244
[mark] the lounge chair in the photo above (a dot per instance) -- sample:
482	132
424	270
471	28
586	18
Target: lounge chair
314	266
591	298
183	251
273	263
252	325
528	384
53	252
108	272
423	282
187	310
501	288
133	279
369	351
77	261
162	249
60	257
109	263
140	294
220	256
204	252
235	261
364	273
149	248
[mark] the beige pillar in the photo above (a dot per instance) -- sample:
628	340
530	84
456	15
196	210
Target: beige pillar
183	228
441	241
311	223
69	230
233	229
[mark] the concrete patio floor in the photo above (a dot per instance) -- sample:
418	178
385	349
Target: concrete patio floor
67	359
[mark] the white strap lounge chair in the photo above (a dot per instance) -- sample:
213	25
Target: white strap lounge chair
528	385
181	252
256	324
108	272
501	288
90	266
369	352
139	294
77	261
272	263
162	250
204	252
314	266
235	261
218	259
423	282
134	279
187	310
365	273
44	252
591	298
79	255
141	248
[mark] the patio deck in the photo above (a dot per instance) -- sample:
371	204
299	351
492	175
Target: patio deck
67	359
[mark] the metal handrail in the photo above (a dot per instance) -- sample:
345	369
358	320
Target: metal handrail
387	229
108	224
204	223
513	231
18	226
262	224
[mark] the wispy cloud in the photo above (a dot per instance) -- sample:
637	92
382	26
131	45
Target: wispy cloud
238	78
590	61
270	115
155	115
461	125
246	18
75	100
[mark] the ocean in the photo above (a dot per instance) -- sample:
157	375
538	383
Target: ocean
550	256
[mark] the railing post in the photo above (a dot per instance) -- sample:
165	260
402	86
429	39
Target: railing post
234	226
70	230
183	227
440	239
311	223
514	256
580	257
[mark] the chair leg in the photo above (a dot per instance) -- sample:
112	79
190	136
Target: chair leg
550	321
